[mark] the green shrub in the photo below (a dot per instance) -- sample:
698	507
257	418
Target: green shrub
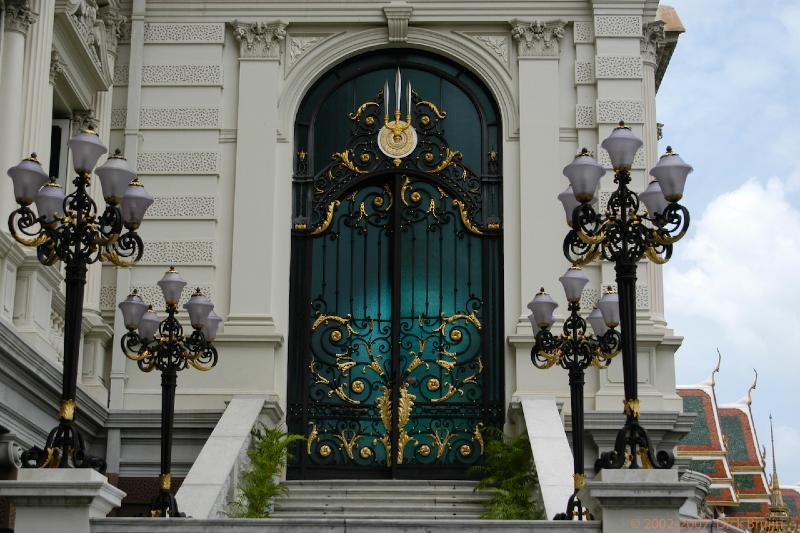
268	453
508	474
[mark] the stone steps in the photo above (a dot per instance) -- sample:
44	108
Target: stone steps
384	499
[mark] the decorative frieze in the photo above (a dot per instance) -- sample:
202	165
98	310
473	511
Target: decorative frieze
178	163
151	294
173	75
642	296
584	73
537	39
612	111
397	17
259	40
652	37
589	298
184	33
617	26
19	16
584	117
618	67
187	207
583	33
174	118
178	253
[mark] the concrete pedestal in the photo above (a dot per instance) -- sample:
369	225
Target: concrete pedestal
62	500
637	500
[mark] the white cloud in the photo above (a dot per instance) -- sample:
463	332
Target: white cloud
734	285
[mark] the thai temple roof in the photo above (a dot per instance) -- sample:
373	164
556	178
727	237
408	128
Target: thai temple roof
723	445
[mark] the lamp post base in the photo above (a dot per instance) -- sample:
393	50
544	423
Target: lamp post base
165	506
575	510
633	437
64	449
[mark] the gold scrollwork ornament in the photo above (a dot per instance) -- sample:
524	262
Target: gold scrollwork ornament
325	450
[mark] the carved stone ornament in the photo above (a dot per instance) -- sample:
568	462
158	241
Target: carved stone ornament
82	120
652	38
259	40
115	27
397	17
83	15
56	66
537	39
18	16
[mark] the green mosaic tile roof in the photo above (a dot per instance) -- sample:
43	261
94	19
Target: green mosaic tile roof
745	481
737	447
791	502
705	466
700	433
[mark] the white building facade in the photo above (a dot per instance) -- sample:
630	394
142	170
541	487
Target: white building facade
220	108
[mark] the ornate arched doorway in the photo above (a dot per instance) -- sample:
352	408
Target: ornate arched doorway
395	348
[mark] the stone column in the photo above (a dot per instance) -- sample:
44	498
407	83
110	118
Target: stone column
38	93
18	18
250	313
652	36
97	334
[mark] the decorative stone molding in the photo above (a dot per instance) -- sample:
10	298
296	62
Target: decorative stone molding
583	33
653	36
213	33
184	207
173	75
83	119
617	26
259	40
170	118
299	45
57	66
589	298
584	117
151	294
537	39
178	163
397	17
497	44
642	296
618	67
612	111
115	27
584	73
178	253
18	16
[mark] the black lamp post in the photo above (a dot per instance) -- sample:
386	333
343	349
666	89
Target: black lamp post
575	350
69	229
624	235
160	344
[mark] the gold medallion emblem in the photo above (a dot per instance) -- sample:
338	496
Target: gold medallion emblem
397	139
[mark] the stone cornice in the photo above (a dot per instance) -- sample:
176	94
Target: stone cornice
18	16
652	38
259	40
536	38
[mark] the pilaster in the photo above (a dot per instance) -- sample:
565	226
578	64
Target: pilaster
538	50
17	19
250	313
11	257
38	92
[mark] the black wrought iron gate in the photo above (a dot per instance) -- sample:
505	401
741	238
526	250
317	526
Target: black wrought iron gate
395	342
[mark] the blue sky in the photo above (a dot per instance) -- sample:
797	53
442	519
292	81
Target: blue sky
729	102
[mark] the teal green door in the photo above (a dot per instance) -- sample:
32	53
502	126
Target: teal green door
395	345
